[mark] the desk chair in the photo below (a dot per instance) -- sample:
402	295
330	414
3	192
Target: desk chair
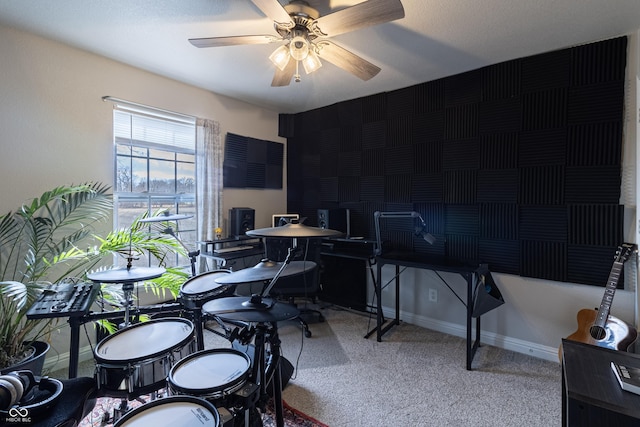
302	286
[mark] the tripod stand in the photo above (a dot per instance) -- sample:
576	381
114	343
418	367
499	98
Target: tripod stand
267	367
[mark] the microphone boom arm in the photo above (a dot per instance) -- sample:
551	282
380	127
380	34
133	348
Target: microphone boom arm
405	214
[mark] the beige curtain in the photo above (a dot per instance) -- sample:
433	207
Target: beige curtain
209	158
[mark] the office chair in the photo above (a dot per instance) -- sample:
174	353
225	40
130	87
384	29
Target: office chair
305	285
302	286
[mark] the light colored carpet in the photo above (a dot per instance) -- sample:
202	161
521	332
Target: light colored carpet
414	377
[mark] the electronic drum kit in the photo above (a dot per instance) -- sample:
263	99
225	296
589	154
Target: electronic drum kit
213	387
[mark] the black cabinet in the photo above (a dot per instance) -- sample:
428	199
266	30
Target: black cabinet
345	264
343	282
590	392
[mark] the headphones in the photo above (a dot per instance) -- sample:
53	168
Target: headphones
16	389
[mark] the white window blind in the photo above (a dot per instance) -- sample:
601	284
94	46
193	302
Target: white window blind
141	130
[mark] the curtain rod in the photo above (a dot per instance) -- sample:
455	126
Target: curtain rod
146	107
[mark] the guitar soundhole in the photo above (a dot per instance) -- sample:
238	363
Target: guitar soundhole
597	332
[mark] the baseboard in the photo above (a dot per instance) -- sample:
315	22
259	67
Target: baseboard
490	338
60	362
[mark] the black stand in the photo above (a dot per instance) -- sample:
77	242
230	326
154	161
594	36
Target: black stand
193	255
468	272
198	321
268	332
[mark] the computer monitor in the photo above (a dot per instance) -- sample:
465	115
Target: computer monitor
278	220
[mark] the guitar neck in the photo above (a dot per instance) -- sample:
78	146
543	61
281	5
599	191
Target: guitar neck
610	290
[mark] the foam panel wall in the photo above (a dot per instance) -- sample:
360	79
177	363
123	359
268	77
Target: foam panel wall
516	164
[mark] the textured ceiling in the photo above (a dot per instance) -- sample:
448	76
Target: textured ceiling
436	38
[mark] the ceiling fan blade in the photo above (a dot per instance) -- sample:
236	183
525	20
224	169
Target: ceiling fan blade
233	40
365	14
346	60
283	78
274	11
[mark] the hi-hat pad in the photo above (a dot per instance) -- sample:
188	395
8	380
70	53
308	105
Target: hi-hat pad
265	270
126	275
250	309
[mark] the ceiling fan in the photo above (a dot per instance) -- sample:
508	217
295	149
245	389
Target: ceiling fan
304	34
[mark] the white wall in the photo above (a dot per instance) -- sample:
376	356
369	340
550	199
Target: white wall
56	130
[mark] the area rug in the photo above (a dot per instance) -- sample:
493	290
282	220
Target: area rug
106	405
292	417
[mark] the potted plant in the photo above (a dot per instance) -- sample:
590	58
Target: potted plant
42	242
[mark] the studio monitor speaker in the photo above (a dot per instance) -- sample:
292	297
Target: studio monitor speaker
335	219
241	220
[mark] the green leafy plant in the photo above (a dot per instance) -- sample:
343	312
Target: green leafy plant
41	244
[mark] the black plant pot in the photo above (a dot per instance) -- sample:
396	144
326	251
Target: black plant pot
34	363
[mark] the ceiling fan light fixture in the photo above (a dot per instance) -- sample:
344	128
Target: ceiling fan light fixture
280	57
302	30
312	62
299	47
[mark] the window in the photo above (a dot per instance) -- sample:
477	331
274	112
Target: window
155	170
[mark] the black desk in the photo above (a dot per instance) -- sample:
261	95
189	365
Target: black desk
426	262
591	395
254	249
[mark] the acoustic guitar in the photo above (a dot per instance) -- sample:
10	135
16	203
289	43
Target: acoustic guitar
597	326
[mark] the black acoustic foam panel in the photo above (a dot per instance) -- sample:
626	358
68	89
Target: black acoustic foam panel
584	265
399	160
607	219
427	188
401	103
400	131
372	189
499	221
501	255
502	81
543	259
594	144
427	157
373	162
499	150
252	163
349	163
430	96
497	186
374	135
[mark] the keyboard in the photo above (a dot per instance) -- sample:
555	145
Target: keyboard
232	249
64	300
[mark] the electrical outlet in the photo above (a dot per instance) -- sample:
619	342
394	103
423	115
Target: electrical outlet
433	295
